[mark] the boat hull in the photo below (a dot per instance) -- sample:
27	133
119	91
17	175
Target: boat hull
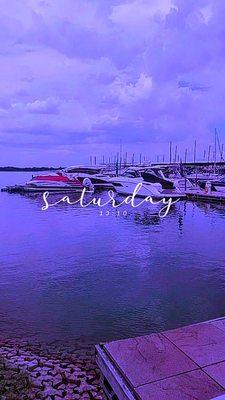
127	187
33	189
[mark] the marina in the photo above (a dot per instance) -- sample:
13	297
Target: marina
112	200
139	283
175	181
112	270
174	205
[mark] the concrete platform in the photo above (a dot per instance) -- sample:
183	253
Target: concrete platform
182	364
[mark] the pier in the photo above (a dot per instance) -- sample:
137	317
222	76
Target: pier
200	195
187	363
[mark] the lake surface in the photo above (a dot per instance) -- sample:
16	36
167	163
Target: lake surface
72	273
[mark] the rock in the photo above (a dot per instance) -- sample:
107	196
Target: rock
85	396
30	371
76	397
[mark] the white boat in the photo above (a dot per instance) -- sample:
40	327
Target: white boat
203	177
97	175
127	182
176	185
126	186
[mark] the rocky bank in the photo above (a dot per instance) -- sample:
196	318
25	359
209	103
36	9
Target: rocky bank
51	372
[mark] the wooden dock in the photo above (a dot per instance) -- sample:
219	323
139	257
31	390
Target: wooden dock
200	195
183	364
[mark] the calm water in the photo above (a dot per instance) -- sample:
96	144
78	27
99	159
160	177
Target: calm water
72	273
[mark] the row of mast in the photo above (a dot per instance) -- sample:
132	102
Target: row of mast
210	154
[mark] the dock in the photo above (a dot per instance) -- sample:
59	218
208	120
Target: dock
200	195
187	363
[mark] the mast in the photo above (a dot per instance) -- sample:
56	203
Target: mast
175	157
215	148
220	148
209	152
120	159
195	150
221	153
170	152
185	156
204	154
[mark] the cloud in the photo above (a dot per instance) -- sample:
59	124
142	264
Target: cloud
139	13
129	92
96	71
48	106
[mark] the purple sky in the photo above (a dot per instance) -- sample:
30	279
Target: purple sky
78	76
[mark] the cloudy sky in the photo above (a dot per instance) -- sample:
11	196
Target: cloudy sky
79	76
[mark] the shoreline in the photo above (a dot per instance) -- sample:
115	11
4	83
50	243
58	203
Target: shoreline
50	371
29	169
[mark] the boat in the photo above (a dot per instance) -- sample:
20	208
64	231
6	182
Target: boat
58	182
216	185
98	176
126	183
170	178
156	176
152	185
126	186
202	177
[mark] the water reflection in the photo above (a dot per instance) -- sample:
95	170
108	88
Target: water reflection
71	272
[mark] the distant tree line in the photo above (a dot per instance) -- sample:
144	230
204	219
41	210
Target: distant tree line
28	169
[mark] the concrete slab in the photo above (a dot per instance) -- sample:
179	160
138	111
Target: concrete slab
148	358
203	343
217	372
195	385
